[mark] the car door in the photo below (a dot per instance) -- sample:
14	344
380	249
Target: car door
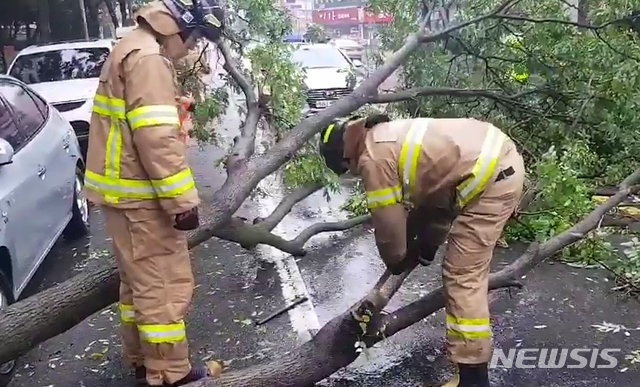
62	159
37	163
20	195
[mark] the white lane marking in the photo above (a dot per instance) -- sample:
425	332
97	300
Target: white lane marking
303	317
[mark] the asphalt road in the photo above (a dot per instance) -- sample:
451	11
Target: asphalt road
557	308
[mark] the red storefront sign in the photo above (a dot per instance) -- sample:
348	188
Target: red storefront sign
335	16
371	17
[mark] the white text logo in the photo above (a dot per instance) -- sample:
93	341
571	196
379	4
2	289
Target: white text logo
554	358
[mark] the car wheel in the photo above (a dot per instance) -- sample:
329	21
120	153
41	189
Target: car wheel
79	224
7	369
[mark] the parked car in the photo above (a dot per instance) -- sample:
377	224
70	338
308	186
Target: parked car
330	75
66	75
41	182
353	49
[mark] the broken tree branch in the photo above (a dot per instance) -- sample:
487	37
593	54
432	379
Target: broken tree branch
243	145
232	68
249	236
285	206
565	22
429	38
413	93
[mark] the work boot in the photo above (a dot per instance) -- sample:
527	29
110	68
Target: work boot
195	374
470	375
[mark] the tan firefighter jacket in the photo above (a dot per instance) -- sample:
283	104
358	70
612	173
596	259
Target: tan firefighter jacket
136	158
424	163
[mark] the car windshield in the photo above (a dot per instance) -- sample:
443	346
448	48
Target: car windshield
320	57
59	65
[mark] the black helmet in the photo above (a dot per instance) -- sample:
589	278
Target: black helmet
332	146
332	140
203	17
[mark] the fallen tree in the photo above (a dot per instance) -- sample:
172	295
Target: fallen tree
53	311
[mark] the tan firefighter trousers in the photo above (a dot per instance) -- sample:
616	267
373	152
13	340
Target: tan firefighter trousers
465	269
156	285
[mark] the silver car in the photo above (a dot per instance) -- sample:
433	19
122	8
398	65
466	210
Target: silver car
41	181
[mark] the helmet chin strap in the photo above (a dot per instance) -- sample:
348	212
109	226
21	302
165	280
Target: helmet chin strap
186	34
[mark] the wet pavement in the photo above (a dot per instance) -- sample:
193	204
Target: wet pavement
557	308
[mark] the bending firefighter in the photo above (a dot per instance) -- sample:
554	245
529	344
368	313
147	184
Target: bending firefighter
431	180
137	172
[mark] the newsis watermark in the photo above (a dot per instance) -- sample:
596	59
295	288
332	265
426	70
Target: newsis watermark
578	358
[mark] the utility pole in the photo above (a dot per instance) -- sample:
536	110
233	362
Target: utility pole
83	12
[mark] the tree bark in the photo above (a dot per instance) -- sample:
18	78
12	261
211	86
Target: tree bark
112	13
93	17
44	28
123	10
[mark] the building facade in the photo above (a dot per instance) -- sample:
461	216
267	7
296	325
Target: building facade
348	18
301	12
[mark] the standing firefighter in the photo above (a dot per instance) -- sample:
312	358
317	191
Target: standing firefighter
431	180
137	172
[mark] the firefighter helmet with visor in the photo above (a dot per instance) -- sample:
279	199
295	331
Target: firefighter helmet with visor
203	18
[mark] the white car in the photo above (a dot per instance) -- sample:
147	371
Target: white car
41	189
330	74
66	75
353	49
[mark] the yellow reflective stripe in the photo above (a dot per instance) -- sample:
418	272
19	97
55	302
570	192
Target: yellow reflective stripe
127	313
170	187
468	328
153	115
411	148
162	333
327	134
484	167
384	197
175	185
114	108
107	106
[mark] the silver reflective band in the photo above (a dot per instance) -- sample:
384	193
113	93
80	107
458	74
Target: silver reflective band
109	107
163	335
162	188
119	188
468	328
488	156
162	116
416	132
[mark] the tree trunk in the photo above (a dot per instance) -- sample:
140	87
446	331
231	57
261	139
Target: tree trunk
130	8
123	11
57	310
112	13
93	17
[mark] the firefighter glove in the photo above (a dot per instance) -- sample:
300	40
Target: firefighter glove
187	220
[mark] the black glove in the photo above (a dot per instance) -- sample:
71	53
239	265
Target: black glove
187	220
427	230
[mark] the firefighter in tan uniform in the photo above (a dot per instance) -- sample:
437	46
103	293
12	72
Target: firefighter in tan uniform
138	173
429	181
